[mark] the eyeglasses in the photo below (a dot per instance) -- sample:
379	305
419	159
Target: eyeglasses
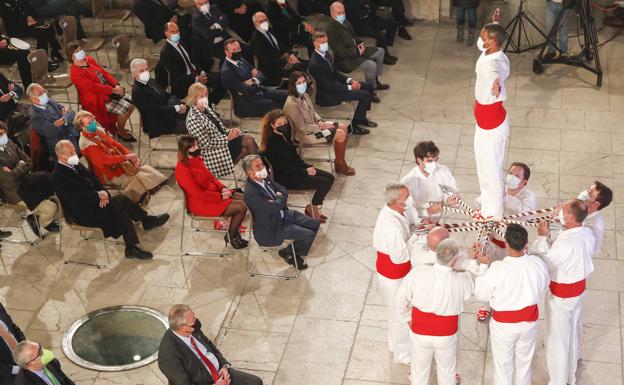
39	354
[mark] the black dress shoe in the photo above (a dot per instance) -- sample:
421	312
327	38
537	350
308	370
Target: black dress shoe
359	130
387	60
5	234
376	99
407	23
34	226
52	67
135	252
382	87
53	227
369	123
155	221
403	34
237	241
301	265
128	138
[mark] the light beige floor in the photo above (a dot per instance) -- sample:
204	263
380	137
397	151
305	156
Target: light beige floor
327	327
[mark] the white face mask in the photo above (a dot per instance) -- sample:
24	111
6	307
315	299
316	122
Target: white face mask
301	88
512	181
4	139
324	47
584	196
480	44
264	26
80	55
281	2
144	76
205	8
430	167
561	217
262	174
203	102
73	160
43	99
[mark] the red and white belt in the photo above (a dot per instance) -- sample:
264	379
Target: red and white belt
567	290
528	314
489	116
391	270
431	324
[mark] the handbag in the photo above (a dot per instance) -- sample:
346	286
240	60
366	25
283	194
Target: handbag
128	168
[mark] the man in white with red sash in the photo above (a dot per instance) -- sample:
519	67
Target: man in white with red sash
569	261
492	126
596	197
434	296
423	247
513	286
393	263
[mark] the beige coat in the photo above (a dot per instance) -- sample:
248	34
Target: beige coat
304	119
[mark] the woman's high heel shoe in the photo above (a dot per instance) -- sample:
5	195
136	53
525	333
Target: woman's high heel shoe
237	241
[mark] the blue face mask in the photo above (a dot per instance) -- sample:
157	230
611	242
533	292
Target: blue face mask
341	19
175	38
4	139
324	47
92	127
43	99
301	88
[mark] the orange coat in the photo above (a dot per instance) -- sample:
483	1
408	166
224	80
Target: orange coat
202	189
103	154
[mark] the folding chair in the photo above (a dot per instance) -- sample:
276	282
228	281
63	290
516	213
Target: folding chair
25	241
195	228
38	60
314	89
68	25
154	148
240	119
122	48
107	16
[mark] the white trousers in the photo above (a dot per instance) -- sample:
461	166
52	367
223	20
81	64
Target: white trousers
398	330
562	340
443	349
489	148
513	345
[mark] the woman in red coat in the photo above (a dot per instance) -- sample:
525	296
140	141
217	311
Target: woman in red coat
205	195
100	93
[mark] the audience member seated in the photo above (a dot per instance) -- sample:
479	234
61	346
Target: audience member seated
239	12
314	7
54	9
244	81
51	120
334	88
205	195
221	148
289	169
289	27
154	14
161	112
275	60
115	165
398	13
19	21
309	127
100	92
363	17
181	69
87	203
350	52
14	113
187	356
10	336
15	176
273	221
9	56
37	366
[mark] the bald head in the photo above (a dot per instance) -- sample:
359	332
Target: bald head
337	8
435	236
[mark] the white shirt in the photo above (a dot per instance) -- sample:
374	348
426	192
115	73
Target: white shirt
434	289
420	253
4	326
348	79
488	68
569	259
211	357
595	221
513	283
425	189
524	200
391	234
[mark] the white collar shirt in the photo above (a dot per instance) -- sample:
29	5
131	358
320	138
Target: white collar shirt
425	189
391	234
595	221
524	200
489	68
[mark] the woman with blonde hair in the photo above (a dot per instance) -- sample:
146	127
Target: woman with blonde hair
221	148
289	169
114	164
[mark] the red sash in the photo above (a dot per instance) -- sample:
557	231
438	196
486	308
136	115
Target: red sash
528	314
391	270
489	116
431	324
499	243
567	290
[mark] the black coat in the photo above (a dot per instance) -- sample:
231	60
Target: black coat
270	60
285	27
285	160
6	359
78	193
26	377
154	14
240	23
36	187
308	7
14	13
10	106
180	365
156	107
268	226
360	12
173	61
328	80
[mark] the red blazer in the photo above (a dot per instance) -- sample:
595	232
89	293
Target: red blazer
202	189
93	94
103	155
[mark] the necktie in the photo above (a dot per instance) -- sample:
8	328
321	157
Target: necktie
8	338
272	40
269	190
51	376
206	361
187	61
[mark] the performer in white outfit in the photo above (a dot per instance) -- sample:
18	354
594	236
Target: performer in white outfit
569	261
492	126
423	249
424	184
432	297
513	287
393	263
597	197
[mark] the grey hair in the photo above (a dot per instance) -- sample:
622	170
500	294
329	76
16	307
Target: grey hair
392	191
176	316
135	62
22	353
255	16
60	145
30	90
248	160
446	251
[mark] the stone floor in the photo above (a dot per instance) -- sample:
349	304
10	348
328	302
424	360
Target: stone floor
327	326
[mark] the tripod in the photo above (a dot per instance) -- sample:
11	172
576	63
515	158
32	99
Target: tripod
589	51
518	27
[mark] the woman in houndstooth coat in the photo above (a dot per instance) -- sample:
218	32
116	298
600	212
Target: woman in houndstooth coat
220	148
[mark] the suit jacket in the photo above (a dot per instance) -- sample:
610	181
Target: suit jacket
26	377
42	121
304	119
36	187
268	224
156	107
285	21
180	365
154	14
10	181
232	78
343	44
240	23
328	80
308	7
201	23
172	59
77	190
6	359
270	59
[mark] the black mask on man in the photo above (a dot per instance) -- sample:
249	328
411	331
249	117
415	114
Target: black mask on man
236	55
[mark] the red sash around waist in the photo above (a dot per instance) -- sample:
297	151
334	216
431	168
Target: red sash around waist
489	116
567	290
528	314
431	324
391	270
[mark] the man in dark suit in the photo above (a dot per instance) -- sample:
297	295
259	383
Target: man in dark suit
275	61
10	56
161	112
239	12
183	72
154	14
244	81
38	366
363	16
87	203
334	88
273	221
208	25
187	357
10	336
10	93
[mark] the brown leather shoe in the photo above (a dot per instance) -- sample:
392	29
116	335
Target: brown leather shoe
382	87
376	99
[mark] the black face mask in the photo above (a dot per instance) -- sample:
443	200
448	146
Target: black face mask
197	326
236	56
284	129
195	153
